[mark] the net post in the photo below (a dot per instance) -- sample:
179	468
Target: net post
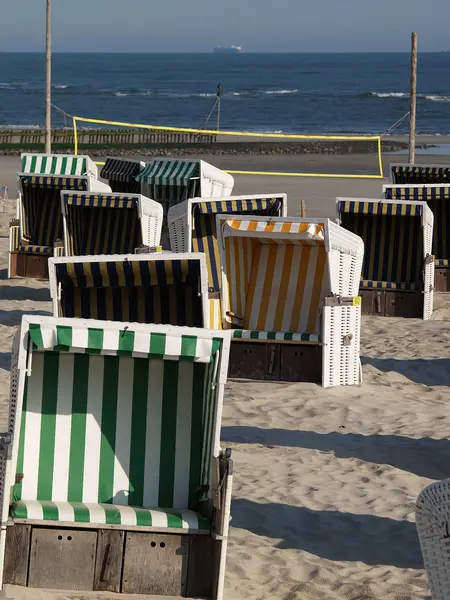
75	136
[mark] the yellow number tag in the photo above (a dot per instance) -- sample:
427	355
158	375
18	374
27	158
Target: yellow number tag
357	301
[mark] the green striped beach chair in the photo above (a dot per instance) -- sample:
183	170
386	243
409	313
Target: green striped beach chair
114	478
408	174
398	270
171	181
39	232
163	288
110	223
437	196
121	174
192	228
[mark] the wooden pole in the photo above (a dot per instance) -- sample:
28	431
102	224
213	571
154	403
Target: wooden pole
413	99
48	81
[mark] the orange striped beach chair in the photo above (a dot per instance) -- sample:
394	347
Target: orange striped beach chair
397	278
290	294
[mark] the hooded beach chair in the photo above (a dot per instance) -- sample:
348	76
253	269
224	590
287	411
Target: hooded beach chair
164	288
109	223
38	234
407	174
192	228
437	196
290	295
115	480
121	174
171	181
398	271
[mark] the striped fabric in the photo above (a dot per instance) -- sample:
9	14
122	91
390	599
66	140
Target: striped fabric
389	285
36	249
241	334
161	291
442	262
393	245
361	207
100	201
54	165
106	429
14	238
303	231
424	193
204	235
110	514
121	175
404	174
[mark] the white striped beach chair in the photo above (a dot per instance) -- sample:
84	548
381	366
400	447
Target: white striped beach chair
111	223
164	288
39	233
433	528
407	174
121	174
171	181
112	477
289	292
437	196
398	272
192	228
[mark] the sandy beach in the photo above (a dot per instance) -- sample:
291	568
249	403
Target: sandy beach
325	480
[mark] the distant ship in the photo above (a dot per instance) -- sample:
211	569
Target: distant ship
228	49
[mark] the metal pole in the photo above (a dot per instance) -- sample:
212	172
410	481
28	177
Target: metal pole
413	99
48	81
219	95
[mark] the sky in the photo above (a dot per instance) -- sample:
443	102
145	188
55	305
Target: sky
199	25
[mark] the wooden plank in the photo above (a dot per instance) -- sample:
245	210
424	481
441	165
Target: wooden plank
108	565
202	572
17	552
96	526
155	564
62	559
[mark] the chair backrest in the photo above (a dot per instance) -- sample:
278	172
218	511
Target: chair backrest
393	239
118	416
204	233
102	224
41	217
409	174
276	274
121	174
132	289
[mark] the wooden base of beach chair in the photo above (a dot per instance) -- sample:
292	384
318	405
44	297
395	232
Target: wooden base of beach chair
392	303
34	266
276	361
12	271
442	279
111	560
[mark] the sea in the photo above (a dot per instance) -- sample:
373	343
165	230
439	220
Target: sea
299	93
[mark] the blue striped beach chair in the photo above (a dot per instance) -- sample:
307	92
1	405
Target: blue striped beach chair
398	270
113	478
437	196
164	288
290	295
192	228
111	223
407	174
121	174
39	232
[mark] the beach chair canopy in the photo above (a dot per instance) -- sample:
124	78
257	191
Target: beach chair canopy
393	234
171	181
109	223
160	288
58	164
121	174
277	272
437	197
118	423
409	174
192	224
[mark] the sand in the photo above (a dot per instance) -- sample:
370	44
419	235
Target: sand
325	480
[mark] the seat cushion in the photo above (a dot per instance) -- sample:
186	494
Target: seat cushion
36	249
249	334
388	285
109	514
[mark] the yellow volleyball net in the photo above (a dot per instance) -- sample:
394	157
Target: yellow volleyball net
323	144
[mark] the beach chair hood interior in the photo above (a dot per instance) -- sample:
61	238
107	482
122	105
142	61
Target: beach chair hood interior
277	275
116	425
407	174
159	288
109	223
398	265
121	174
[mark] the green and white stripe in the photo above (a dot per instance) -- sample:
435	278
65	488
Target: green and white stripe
112	342
169	172
110	514
38	164
279	336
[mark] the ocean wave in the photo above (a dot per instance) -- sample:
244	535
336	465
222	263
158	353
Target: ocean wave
61	87
389	94
280	92
429	97
436	98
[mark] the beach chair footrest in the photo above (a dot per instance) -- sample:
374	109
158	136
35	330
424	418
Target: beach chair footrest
32	265
392	303
442	278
